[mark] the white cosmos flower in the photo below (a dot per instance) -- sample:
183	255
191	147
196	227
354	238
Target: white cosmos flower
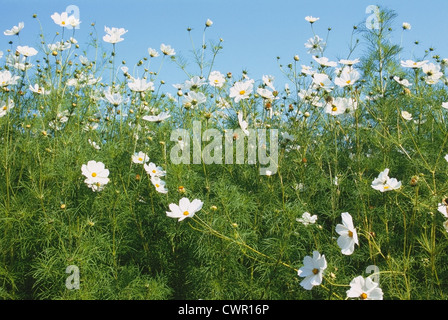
315	45
444	104
312	270
193	98
347	77
241	90
348	236
216	79
406	26
403	82
340	105
39	90
113	35
384	183
194	83
153	170
446	157
406	115
324	61
61	19
307	219
94	144
185	209
158	118
311	19
96	175
153	53
268	80
413	64
5	107
14	30
140	85
266	93
26	51
114	98
159	184
6	78
321	80
348	62
167	50
364	289
140	157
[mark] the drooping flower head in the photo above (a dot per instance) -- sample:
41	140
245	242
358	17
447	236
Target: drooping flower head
14	30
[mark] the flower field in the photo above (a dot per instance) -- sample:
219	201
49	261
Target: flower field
331	183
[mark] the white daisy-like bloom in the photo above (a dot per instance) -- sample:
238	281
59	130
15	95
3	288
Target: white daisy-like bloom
140	157
348	236
266	93
446	157
153	53
315	45
406	115
406	26
322	81
445	105
140	85
159	184
113	35
324	61
185	209
14	30
96	175
26	51
413	64
312	270
38	89
307	219
157	118
241	90
349	62
403	82
339	105
153	170
5	107
443	208
193	98
347	77
364	289
311	19
6	78
167	50
384	183
216	79
268	80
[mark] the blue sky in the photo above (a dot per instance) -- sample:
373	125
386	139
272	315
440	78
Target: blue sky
255	32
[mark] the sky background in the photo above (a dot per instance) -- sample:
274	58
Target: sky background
255	32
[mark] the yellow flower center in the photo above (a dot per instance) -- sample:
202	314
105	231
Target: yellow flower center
140	159
386	187
157	185
348	81
94	174
216	80
154	171
363	296
322	84
350	234
4	108
242	92
334	109
186	213
63	23
315	271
